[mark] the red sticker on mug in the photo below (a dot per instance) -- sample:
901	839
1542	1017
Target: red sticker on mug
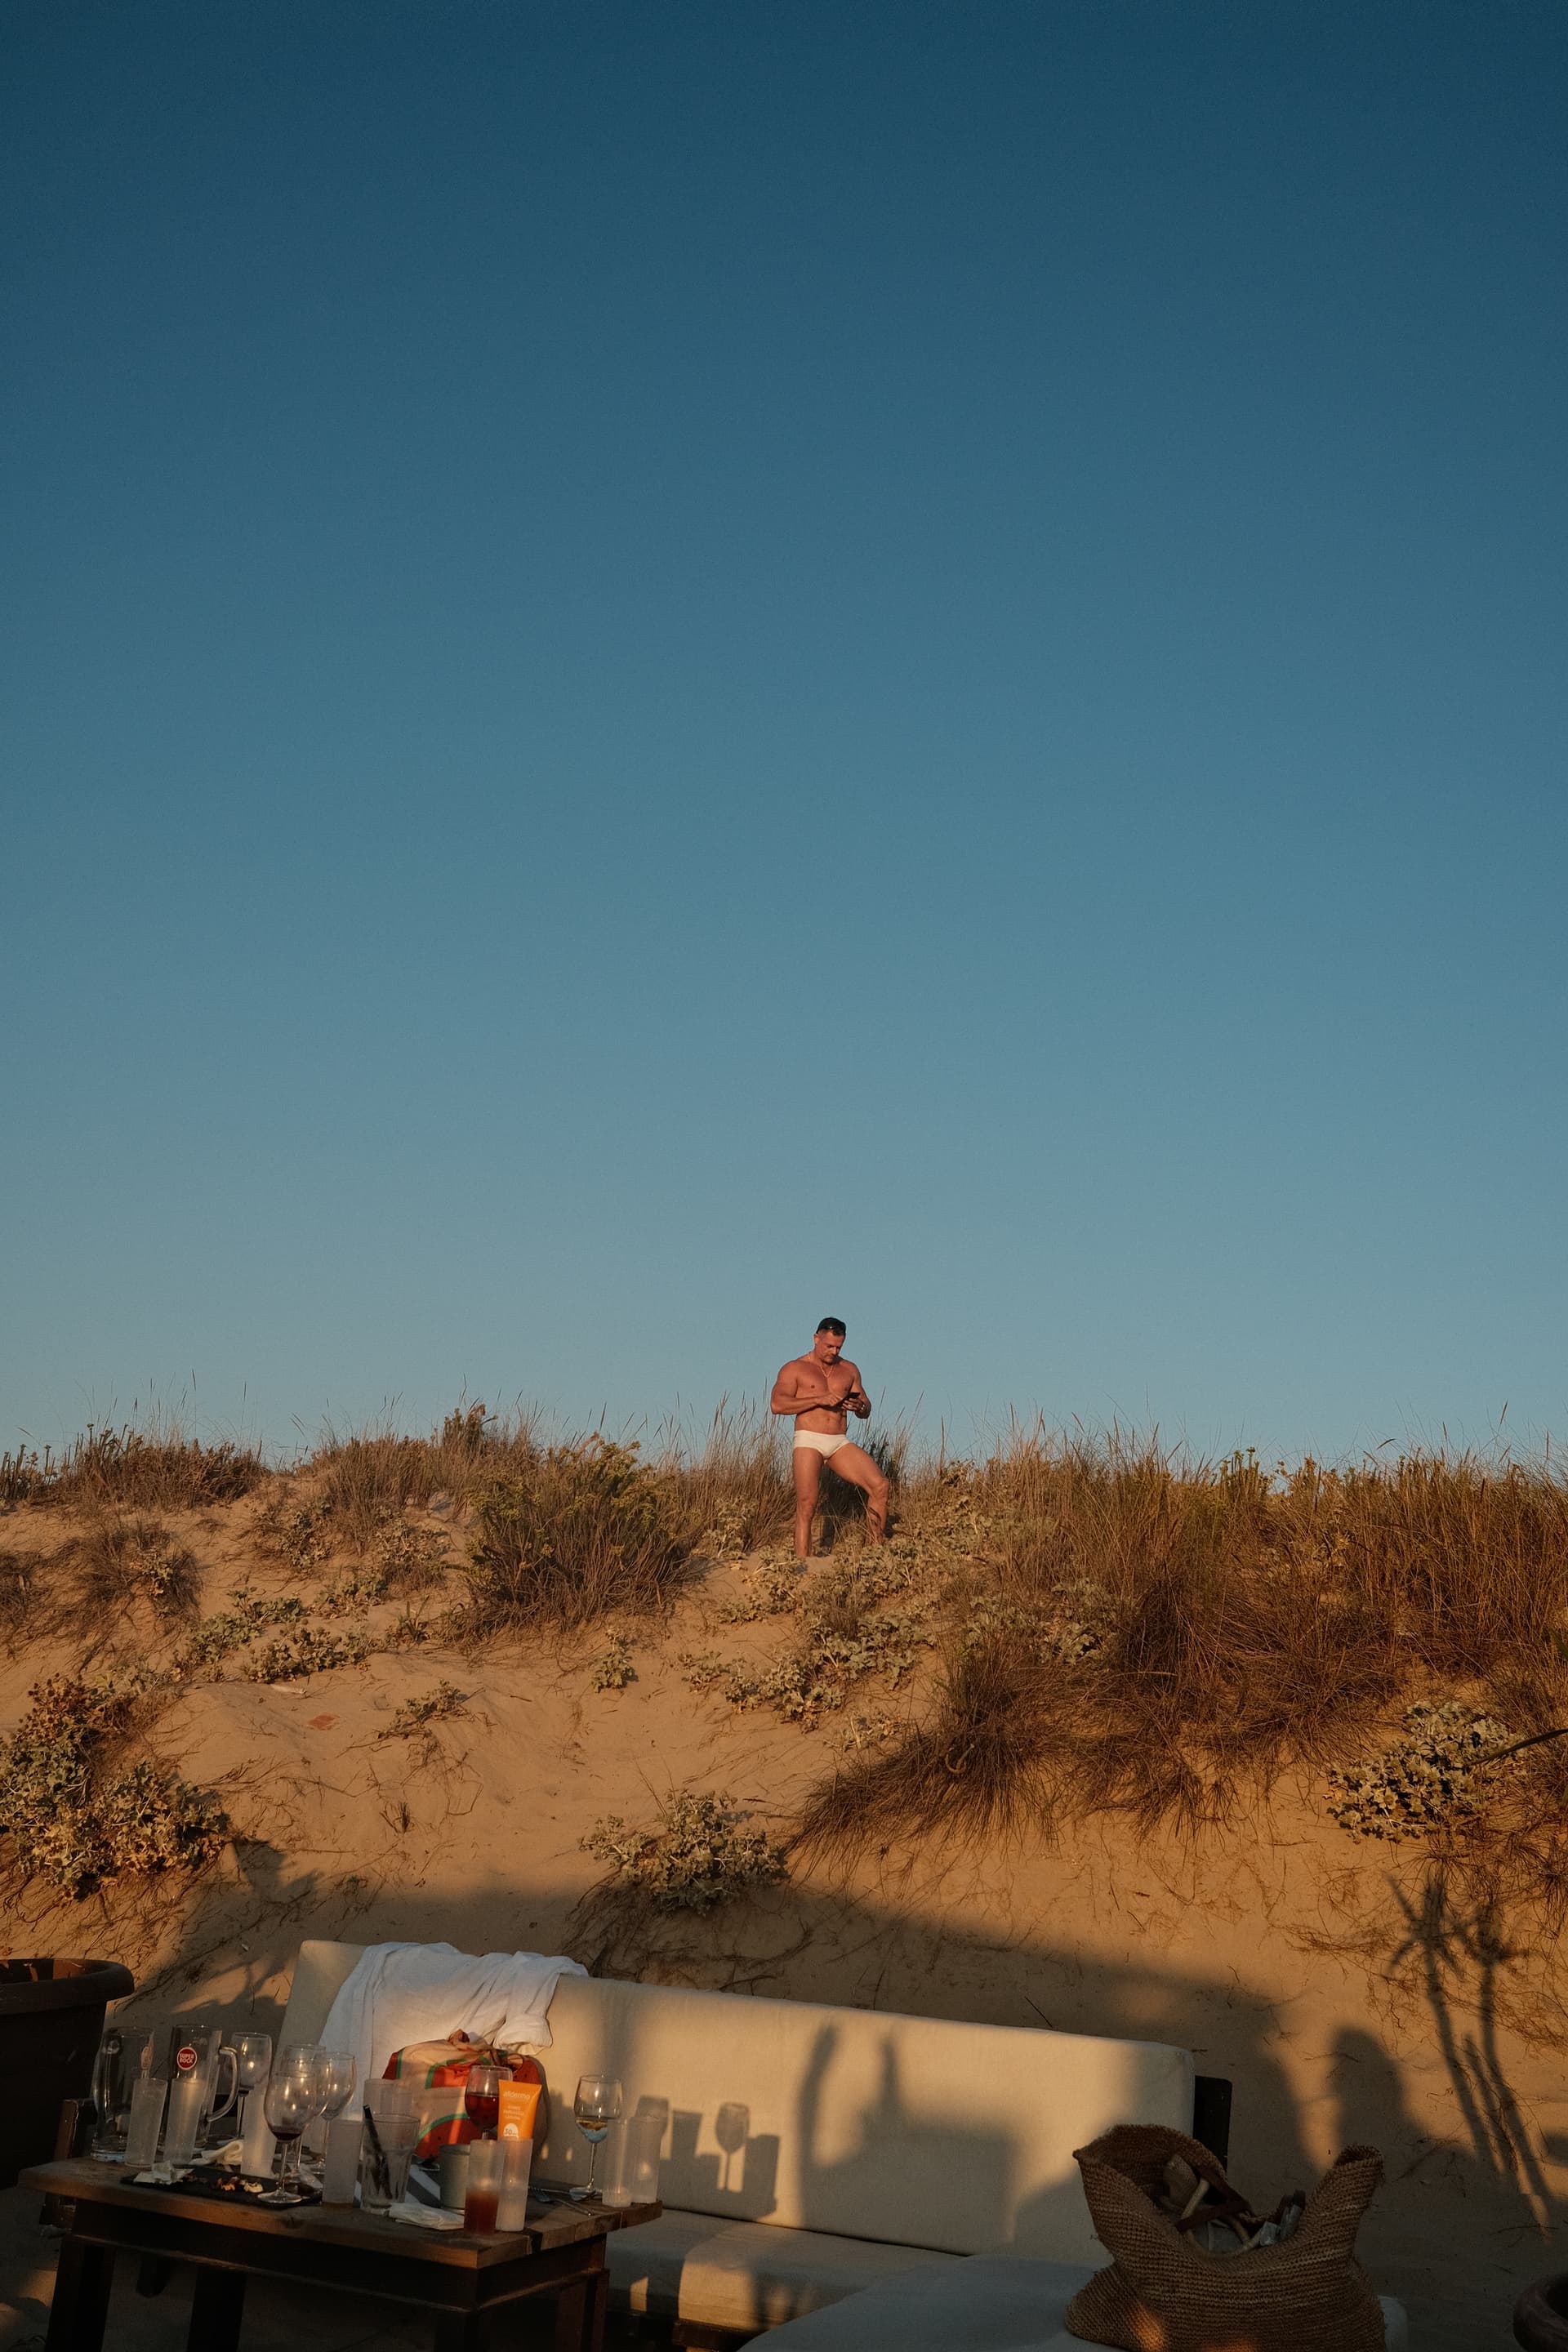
185	2058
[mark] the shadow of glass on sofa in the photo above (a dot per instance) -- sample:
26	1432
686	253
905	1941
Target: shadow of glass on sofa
746	2190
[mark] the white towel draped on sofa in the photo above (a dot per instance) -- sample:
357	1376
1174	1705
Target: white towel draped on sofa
399	1993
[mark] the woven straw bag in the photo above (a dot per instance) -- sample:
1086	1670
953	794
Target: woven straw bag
1164	2294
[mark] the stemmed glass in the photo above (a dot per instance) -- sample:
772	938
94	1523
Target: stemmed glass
335	2074
290	2104
253	2054
596	2105
481	2099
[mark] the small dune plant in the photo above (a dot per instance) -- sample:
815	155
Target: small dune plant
1451	1764
699	1853
612	1669
78	1812
123	1560
584	1531
209	1649
860	1614
416	1715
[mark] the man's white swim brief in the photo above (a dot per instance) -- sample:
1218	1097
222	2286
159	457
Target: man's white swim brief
817	1441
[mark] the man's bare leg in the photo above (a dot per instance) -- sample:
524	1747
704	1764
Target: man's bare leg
807	1487
854	1463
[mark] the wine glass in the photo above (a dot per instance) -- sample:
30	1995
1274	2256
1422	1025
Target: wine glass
297	2058
336	2074
481	2099
290	2104
596	2105
253	2054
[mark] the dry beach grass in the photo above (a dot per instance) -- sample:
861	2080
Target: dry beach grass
1157	1636
1107	1628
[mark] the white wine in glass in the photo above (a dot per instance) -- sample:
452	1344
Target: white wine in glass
596	2105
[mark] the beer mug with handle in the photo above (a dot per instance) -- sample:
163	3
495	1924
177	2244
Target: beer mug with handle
197	2056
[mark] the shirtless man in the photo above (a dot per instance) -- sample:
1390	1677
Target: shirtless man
820	1390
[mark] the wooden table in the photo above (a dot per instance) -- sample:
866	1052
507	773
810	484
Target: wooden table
458	2278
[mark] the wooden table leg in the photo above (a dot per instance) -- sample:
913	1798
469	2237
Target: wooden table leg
217	2308
571	2311
593	2316
580	2311
154	2272
81	2306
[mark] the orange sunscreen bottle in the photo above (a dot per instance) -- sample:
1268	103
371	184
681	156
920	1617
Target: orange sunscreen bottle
518	2106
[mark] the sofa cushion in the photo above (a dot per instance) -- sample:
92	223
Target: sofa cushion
320	1970
746	2274
909	2131
993	2303
913	2131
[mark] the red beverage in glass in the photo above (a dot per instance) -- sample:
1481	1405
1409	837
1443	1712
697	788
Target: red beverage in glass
482	2097
479	2209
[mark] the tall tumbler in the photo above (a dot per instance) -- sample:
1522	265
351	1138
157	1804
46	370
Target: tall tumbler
148	2094
188	2102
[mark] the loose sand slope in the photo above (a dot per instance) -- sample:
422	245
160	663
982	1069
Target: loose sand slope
1291	1957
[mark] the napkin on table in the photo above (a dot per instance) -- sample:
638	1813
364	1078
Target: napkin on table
424	2216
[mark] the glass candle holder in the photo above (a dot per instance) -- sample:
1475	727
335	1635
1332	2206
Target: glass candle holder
487	2171
511	2213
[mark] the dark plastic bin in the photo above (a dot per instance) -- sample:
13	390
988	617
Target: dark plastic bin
1540	2315
51	2020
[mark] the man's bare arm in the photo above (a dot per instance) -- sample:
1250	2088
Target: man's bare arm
857	1401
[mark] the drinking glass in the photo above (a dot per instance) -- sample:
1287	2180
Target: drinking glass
296	2058
200	2050
481	2099
253	2057
335	2074
596	2103
290	2104
486	2172
390	2135
187	2097
110	2098
148	2094
217	2106
511	2209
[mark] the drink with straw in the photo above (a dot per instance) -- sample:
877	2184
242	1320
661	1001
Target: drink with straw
386	2148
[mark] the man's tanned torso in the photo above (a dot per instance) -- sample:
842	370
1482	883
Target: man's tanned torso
836	1386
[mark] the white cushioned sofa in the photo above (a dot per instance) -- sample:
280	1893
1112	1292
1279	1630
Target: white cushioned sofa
993	2303
866	2154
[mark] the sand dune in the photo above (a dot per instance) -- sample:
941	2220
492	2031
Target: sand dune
1292	1957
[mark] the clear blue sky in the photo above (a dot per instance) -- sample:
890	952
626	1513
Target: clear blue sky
672	668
